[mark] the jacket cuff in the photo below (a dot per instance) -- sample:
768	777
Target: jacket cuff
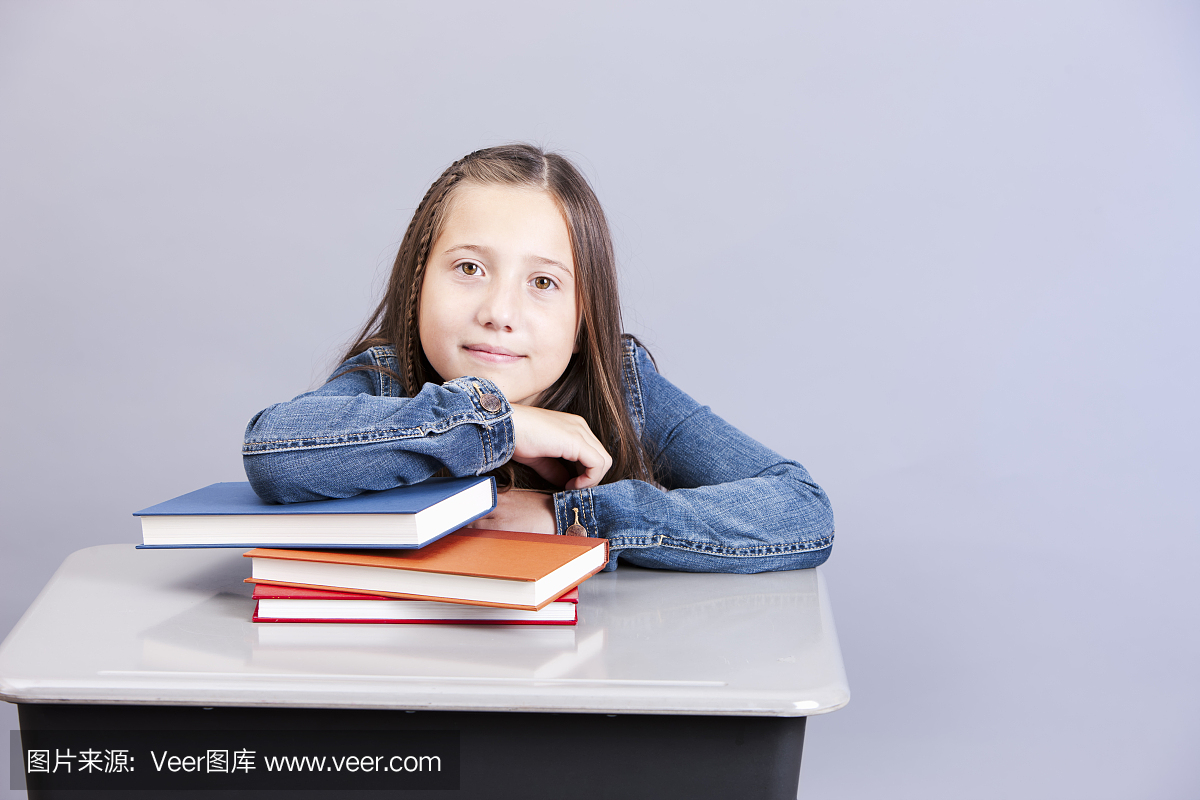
495	417
576	505
580	504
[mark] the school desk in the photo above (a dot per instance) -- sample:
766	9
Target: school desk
671	685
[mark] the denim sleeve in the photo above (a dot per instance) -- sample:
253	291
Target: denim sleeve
358	433
726	503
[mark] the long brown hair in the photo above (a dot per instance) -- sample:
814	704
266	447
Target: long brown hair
591	385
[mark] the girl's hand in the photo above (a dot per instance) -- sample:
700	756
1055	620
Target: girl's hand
543	437
520	510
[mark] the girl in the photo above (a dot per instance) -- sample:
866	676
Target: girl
497	348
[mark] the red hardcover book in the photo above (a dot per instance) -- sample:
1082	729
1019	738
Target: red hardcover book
293	604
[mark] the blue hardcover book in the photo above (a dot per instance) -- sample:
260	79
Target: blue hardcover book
232	515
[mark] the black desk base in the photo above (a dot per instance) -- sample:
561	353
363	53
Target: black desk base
500	755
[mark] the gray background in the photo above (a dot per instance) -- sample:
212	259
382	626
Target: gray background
945	254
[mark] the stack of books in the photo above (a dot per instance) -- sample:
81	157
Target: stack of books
397	556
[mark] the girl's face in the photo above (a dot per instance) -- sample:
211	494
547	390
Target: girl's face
498	298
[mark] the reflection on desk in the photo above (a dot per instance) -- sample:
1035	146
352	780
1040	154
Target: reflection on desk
429	651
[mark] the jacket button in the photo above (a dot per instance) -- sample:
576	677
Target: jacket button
576	529
490	402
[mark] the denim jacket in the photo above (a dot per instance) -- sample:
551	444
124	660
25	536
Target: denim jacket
724	502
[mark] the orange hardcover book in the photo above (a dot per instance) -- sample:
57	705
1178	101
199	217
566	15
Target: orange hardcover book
507	569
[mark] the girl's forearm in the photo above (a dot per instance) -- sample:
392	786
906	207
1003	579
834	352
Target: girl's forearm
329	444
777	520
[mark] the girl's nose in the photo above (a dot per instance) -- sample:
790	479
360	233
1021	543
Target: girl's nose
500	307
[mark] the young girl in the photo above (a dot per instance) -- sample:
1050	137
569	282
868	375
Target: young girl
497	348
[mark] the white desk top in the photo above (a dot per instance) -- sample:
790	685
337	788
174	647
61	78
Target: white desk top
172	627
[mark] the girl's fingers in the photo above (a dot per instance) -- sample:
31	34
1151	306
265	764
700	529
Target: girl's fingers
544	436
593	459
582	482
595	465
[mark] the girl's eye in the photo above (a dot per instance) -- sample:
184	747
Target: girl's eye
468	268
542	282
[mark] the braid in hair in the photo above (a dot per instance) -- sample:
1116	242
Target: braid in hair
428	211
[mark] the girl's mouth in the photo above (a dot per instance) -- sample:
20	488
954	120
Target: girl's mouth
492	354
